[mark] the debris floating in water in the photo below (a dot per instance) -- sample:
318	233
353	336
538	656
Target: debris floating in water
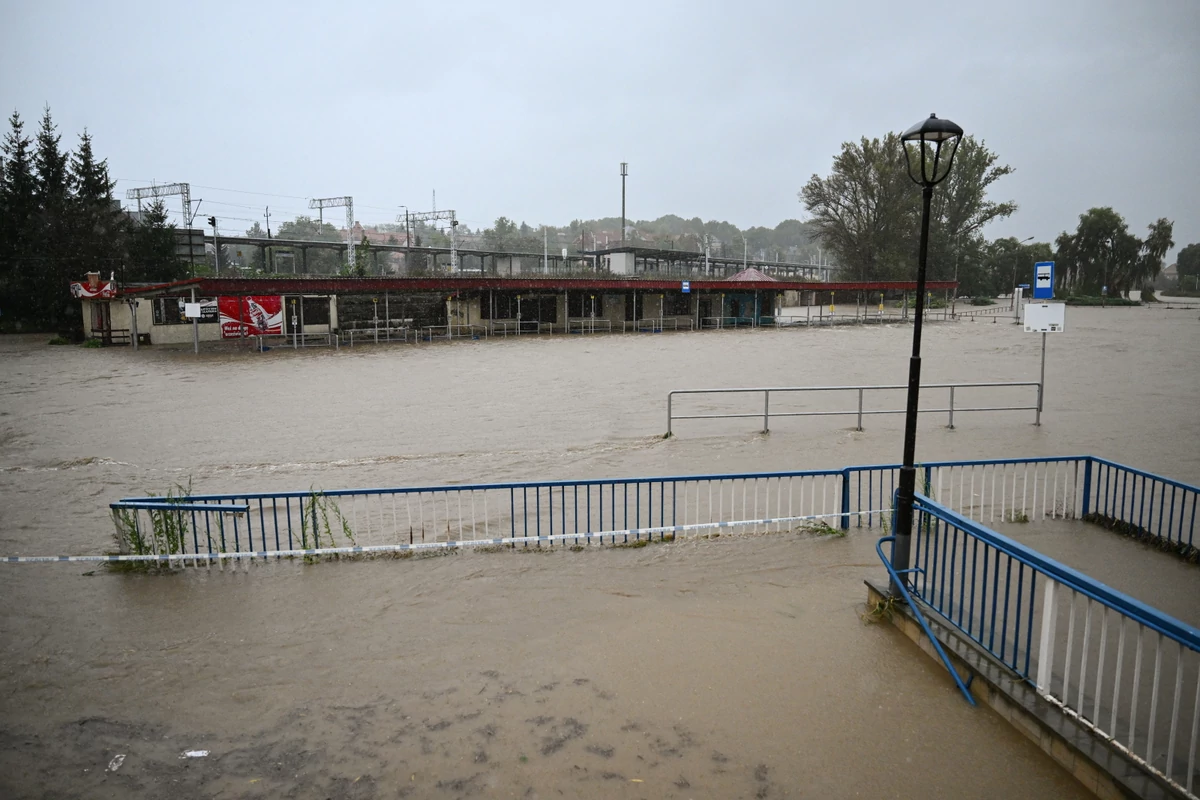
116	763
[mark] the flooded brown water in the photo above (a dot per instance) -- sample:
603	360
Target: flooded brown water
735	667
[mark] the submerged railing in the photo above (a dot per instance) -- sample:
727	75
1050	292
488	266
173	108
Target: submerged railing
766	414
1127	671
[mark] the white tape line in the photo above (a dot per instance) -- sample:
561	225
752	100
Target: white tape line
395	548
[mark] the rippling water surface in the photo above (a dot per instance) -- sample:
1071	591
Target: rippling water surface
731	667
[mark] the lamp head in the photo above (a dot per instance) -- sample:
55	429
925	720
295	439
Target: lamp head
930	147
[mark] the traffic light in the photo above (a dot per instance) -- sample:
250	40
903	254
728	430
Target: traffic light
212	221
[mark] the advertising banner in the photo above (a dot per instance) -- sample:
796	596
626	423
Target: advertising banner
256	315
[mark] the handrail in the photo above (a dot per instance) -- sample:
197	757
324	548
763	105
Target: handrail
899	584
234	508
766	412
1136	610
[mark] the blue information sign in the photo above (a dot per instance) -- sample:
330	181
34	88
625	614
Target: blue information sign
687	287
1043	280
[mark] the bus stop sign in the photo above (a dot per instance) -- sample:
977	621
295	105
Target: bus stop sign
1043	280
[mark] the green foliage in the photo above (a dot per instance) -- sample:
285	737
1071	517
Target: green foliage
1187	263
1076	300
93	343
982	301
166	533
1102	252
58	221
58	340
324	517
867	211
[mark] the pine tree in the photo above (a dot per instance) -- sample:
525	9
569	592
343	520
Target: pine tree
17	212
48	278
98	226
151	248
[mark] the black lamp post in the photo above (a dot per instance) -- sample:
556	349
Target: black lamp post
930	147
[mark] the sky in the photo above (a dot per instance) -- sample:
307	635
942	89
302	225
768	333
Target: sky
526	109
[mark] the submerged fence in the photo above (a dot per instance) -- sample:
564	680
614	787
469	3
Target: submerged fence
1122	668
766	414
267	524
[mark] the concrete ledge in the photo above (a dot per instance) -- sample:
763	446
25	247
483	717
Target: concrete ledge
1102	768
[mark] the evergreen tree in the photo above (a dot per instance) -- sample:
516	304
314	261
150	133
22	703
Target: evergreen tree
151	249
46	280
17	212
98	226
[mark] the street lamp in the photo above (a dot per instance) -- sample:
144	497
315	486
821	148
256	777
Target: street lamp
1016	255
928	166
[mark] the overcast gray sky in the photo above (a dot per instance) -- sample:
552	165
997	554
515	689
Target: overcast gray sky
723	110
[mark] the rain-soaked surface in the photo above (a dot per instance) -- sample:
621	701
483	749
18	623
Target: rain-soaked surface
730	667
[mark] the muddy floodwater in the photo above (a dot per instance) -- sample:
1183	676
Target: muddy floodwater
722	668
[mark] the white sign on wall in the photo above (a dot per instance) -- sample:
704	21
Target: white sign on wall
1045	317
191	310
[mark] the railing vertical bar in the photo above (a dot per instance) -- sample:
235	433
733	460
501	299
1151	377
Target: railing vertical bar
1171	516
1191	764
624	509
1066	684
962	583
1083	650
1029	624
1007	593
995	600
1137	682
1112	723
1034	506
1054	500
1175	708
1046	640
1124	488
1017	615
1100	665
1154	696
974	565
1025	491
1141	496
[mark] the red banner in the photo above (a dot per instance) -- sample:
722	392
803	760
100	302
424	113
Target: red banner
250	316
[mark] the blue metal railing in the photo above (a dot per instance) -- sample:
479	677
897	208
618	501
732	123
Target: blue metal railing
621	510
1143	505
1015	603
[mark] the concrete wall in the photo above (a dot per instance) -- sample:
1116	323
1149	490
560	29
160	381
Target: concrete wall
620	263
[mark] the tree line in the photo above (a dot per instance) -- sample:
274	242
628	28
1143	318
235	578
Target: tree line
867	211
59	221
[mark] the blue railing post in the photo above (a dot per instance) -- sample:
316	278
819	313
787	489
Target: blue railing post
846	499
1087	487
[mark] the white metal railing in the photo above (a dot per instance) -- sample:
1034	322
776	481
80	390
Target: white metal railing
380	334
589	325
657	324
454	332
515	327
723	322
860	412
298	340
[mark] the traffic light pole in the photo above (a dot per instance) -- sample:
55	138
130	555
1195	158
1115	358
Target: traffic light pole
216	246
